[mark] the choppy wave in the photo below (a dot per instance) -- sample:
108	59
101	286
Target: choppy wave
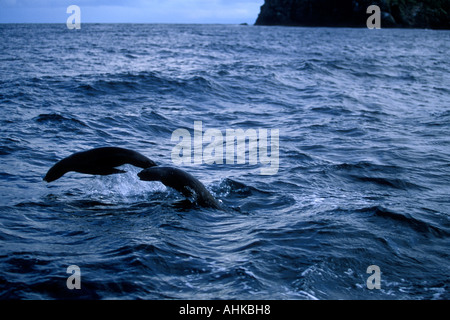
363	173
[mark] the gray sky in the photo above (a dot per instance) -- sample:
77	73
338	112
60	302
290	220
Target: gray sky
133	11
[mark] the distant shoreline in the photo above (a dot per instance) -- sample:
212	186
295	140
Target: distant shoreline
400	14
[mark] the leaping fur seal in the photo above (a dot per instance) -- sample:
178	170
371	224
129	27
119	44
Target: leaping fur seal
181	181
101	161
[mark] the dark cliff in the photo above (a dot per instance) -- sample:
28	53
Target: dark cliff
433	14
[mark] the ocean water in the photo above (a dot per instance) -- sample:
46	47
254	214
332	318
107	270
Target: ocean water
362	175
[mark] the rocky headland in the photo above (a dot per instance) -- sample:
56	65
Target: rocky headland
431	14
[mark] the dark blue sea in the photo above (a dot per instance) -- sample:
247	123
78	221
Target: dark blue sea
362	178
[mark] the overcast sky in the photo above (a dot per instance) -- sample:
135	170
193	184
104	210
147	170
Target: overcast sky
132	11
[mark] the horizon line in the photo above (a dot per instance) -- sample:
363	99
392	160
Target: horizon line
190	23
